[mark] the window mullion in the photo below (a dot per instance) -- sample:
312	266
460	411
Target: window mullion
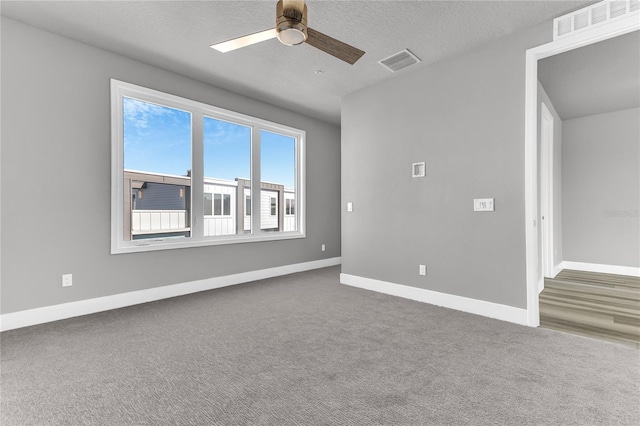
256	202
197	176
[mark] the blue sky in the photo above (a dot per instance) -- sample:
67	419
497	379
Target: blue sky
157	139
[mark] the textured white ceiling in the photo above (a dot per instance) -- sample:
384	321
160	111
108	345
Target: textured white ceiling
176	35
595	79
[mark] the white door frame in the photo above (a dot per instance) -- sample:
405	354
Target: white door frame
546	193
579	39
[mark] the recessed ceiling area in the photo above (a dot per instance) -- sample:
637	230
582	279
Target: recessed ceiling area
176	35
595	79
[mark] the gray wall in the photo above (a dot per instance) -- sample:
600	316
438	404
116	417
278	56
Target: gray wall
601	188
465	117
557	181
56	177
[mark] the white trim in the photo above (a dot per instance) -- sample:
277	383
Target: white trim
473	306
593	35
604	269
531	188
557	269
46	314
589	10
546	186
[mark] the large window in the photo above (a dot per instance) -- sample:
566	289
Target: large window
184	174
278	171
227	173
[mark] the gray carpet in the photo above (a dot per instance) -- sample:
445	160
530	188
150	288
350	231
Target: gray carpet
305	350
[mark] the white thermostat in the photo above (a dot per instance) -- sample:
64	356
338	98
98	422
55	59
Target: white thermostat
418	169
483	205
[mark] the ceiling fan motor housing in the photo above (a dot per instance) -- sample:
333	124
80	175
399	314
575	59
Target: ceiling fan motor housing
291	24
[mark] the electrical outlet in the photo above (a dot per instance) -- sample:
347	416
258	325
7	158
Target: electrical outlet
323	247
422	270
67	280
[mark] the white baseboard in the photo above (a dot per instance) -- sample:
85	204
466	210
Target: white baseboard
45	314
473	306
557	269
604	269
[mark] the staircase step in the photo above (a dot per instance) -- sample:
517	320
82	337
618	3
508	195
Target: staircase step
603	306
593	332
604	280
618	323
595	303
569	286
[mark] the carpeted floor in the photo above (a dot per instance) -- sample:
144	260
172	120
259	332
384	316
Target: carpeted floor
306	350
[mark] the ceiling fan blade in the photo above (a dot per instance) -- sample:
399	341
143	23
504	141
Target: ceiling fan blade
237	43
334	47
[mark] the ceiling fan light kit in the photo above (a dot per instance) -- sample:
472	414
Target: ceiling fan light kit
291	29
291	24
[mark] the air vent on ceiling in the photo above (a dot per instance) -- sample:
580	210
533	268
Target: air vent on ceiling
399	61
595	15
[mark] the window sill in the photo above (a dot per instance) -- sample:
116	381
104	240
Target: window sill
168	244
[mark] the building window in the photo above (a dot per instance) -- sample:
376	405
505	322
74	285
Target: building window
290	207
208	204
221	204
217	204
180	167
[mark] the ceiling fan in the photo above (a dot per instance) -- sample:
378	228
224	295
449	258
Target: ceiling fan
291	29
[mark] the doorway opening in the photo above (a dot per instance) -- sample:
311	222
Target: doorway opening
539	259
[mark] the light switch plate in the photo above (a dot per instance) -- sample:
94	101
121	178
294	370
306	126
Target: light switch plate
349	207
483	205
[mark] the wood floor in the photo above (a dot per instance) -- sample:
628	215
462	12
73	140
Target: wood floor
601	306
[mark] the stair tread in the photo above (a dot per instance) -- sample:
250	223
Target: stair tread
598	304
603	299
617	323
596	278
626	292
604	306
574	328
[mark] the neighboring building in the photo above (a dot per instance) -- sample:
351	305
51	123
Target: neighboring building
158	205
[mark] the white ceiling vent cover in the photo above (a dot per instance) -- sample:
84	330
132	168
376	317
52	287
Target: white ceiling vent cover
399	61
596	15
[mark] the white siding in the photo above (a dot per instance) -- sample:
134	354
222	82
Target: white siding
225	224
289	220
266	220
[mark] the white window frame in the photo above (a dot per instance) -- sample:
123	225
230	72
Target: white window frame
198	110
289	206
213	205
